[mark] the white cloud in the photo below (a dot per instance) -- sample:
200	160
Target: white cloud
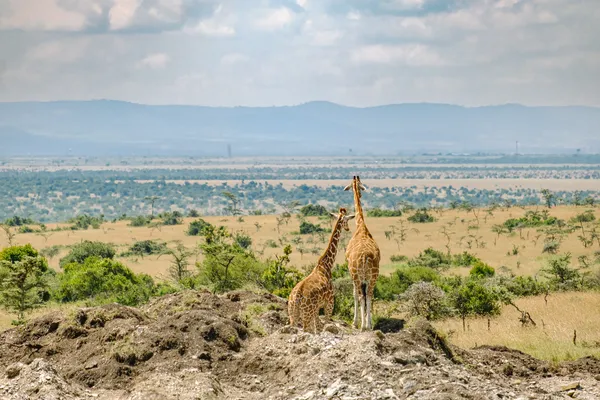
233	59
275	19
43	15
154	61
349	51
122	13
410	55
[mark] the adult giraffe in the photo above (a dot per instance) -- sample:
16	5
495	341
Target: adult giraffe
363	258
316	290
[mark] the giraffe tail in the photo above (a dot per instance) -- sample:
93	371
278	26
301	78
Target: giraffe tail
363	288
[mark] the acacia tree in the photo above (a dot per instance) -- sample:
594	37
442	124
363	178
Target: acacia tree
549	197
23	280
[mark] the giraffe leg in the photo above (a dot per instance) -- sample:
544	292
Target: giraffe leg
368	316
329	309
363	313
318	323
356	299
307	323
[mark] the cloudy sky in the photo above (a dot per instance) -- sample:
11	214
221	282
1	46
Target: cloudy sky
283	52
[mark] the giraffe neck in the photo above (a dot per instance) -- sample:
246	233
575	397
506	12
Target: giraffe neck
325	262
360	219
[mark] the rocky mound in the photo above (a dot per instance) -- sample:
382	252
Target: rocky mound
195	345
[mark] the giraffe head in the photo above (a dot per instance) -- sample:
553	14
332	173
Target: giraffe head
356	185
342	218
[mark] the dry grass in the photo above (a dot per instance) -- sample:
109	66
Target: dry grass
551	339
6	318
462	226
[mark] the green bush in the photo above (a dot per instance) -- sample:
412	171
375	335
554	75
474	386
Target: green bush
172	218
103	280
145	248
23	280
314	210
343	300
378	212
227	265
482	270
243	240
278	278
465	259
398	258
83	222
198	227
389	287
19	221
421	216
80	251
587	216
531	219
140	221
431	258
308	228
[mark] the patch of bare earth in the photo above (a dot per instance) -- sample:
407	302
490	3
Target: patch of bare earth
196	345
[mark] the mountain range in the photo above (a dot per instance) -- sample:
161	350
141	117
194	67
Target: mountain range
107	127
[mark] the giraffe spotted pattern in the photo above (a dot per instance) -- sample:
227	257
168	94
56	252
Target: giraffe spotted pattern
363	256
316	290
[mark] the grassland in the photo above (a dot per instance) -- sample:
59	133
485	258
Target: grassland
552	337
464	232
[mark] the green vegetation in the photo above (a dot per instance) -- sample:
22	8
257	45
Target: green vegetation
307	228
313	210
198	228
24	278
421	216
81	251
378	212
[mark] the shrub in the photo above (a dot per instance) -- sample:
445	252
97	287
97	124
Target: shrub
308	228
314	210
19	221
389	287
278	278
226	265
80	251
83	222
103	280
193	213
423	299
398	258
587	216
465	259
198	227
378	212
171	218
431	258
482	270
146	247
27	229
421	216
343	300
560	273
140	220
23	279
472	297
243	240
551	247
531	219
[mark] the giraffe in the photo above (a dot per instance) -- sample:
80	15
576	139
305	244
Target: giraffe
363	258
316	290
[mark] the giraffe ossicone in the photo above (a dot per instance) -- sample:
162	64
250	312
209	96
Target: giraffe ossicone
316	290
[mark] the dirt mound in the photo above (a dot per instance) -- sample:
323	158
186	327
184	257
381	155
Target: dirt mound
195	345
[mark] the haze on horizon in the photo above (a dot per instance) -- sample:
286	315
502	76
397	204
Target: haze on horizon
284	52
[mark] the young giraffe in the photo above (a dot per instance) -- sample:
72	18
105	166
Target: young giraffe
316	290
363	258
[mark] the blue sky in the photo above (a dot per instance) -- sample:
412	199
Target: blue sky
284	52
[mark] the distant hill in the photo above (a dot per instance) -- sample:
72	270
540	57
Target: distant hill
105	127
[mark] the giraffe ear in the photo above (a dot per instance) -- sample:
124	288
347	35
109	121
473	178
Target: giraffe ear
349	217
362	187
348	187
334	215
